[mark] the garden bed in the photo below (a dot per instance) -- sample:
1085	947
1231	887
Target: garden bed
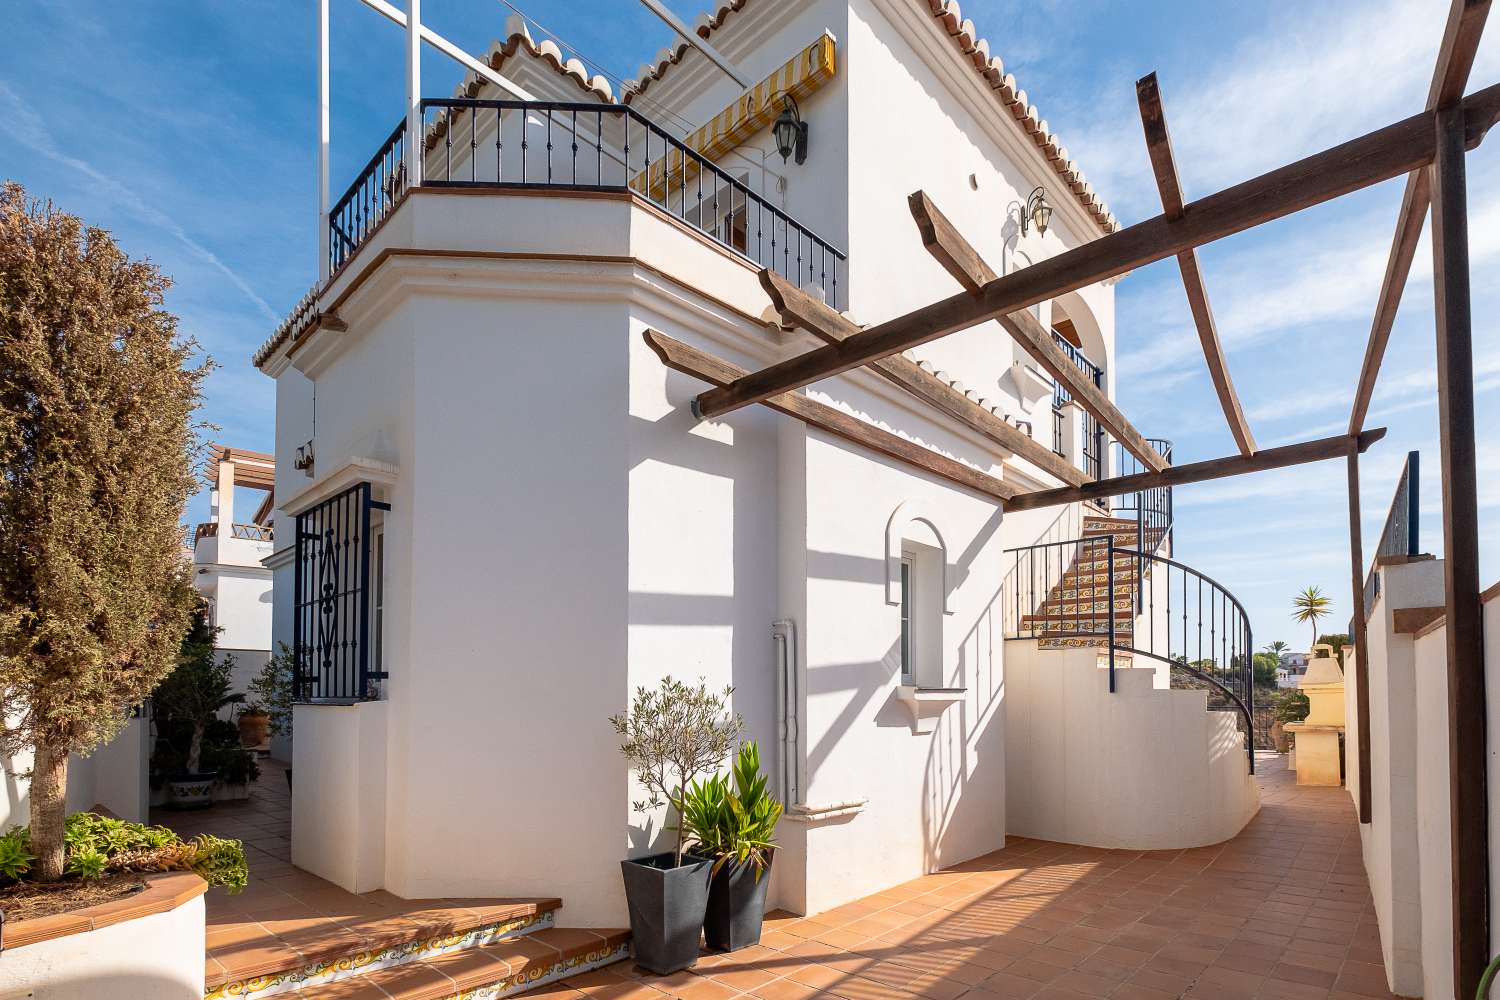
30	900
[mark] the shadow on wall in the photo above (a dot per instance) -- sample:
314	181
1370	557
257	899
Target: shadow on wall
119	986
17	799
746	460
959	737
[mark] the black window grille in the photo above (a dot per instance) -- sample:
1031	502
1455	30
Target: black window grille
331	629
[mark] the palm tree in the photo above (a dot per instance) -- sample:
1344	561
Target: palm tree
1309	606
1276	648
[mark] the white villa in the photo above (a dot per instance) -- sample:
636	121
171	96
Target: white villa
497	515
228	556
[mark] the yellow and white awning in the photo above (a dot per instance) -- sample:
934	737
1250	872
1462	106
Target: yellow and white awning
752	111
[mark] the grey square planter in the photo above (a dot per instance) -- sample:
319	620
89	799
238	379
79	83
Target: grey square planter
666	909
736	906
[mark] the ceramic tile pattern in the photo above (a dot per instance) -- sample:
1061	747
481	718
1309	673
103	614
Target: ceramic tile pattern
1282	912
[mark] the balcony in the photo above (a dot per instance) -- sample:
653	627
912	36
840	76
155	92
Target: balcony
565	146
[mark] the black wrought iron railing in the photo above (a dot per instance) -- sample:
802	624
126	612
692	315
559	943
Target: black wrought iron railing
1093	433
1401	534
373	195
1151	508
560	145
1097	592
331	630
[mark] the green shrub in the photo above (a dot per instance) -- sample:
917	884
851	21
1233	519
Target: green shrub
733	821
99	845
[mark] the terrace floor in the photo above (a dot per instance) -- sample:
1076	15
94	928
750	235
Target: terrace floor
1282	912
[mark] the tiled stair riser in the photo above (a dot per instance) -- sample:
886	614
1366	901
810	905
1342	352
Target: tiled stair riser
362	962
530	979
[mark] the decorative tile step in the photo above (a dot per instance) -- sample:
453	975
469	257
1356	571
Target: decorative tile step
1074	623
498	969
332	935
1082	642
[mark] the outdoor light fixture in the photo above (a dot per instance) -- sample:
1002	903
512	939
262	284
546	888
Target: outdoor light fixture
790	131
1037	211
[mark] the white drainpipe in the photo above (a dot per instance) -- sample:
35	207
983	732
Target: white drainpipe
784	635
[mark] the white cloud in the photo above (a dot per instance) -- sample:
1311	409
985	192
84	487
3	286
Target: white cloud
27	128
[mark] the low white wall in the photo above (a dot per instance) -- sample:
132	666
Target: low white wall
1141	768
339	793
1434	848
157	957
1392	852
113	776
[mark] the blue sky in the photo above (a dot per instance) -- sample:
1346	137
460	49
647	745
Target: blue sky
187	128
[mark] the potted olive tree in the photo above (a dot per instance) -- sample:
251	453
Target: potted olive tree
733	820
669	737
192	696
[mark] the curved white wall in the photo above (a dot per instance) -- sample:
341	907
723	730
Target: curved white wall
1140	769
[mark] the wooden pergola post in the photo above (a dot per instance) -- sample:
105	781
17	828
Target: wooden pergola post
1361	639
1466	696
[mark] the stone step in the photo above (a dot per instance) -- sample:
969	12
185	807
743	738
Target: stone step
502	968
280	953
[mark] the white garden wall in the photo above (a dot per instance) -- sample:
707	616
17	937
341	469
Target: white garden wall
154	957
113	776
1142	768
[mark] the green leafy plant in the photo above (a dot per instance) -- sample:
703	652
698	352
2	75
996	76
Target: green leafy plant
1309	606
87	864
1290	706
673	734
198	688
733	820
271	691
15	855
98	845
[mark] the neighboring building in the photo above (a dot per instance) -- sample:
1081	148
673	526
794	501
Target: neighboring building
1293	667
505	518
228	557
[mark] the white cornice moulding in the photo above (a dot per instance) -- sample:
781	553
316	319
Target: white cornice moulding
824	813
280	558
357	470
927	705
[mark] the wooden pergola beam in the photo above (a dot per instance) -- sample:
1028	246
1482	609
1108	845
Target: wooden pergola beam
797	308
1164	166
1455	59
947	245
1380	155
691	361
1198	472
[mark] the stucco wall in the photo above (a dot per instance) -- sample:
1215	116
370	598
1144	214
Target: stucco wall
156	957
1390	841
1141	768
113	776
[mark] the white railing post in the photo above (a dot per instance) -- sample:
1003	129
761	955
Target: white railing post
323	135
413	93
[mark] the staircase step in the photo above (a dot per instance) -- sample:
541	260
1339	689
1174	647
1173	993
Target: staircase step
499	969
272	953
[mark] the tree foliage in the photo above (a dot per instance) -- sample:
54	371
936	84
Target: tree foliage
97	449
1309	606
196	690
671	736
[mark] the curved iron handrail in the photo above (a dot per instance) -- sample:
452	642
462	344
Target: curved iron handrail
1230	633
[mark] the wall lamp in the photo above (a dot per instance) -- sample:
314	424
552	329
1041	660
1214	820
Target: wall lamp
790	131
1037	211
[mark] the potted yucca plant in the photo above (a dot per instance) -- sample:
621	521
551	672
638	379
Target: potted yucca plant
733	819
670	736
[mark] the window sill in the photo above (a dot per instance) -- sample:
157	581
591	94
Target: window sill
927	704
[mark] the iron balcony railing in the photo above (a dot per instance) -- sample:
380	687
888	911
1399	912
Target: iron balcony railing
1401	534
1151	508
248	532
568	146
1093	433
